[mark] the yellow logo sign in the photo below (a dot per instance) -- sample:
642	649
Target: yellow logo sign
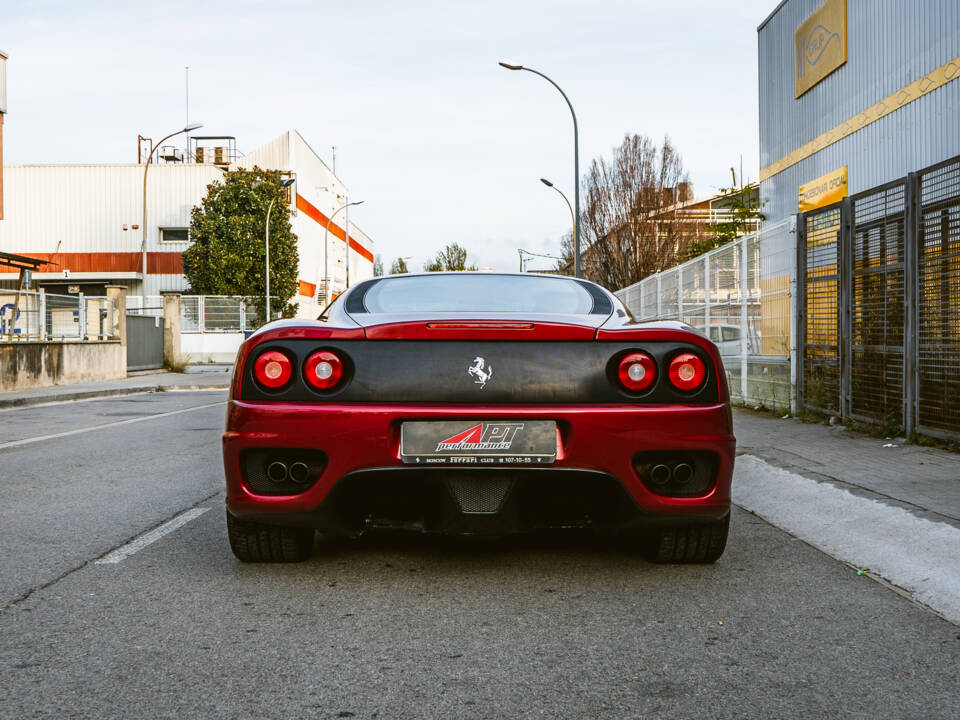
819	45
824	190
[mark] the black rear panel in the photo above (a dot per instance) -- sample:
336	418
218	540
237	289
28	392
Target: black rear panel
439	371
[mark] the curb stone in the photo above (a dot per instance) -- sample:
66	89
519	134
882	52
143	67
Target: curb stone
7	404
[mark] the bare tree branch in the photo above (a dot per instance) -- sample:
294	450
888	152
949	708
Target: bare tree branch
630	225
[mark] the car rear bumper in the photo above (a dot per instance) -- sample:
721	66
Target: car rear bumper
598	440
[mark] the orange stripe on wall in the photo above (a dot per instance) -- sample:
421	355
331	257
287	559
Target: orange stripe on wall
307	289
335	229
165	263
158	263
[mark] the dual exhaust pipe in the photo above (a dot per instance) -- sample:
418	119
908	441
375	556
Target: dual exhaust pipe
662	474
298	472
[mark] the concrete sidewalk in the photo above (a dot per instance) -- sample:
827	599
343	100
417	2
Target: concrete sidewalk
141	382
924	478
889	510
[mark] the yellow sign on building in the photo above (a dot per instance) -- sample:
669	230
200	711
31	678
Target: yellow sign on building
824	190
819	45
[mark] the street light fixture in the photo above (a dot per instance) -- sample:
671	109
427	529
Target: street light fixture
143	244
510	65
573	219
326	230
285	183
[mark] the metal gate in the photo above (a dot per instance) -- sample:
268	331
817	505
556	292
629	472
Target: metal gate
819	268
144	342
938	351
879	323
875	347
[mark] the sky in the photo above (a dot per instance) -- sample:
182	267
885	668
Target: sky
440	143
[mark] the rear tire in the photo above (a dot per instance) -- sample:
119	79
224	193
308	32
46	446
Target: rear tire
700	543
257	542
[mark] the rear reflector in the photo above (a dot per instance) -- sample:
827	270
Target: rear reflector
479	325
637	371
273	370
687	372
323	370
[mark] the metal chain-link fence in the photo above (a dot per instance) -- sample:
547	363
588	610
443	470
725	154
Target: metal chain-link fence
38	315
221	313
739	296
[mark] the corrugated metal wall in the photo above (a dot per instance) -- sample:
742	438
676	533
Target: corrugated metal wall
890	43
84	208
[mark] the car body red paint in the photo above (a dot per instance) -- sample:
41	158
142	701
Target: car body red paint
594	439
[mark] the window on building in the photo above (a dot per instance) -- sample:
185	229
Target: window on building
175	235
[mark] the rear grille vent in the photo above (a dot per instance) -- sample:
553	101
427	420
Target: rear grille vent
479	495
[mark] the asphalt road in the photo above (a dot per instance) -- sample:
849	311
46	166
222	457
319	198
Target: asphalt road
396	626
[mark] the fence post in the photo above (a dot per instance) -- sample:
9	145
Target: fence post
794	285
801	310
706	294
844	304
171	328
41	314
744	279
82	316
680	292
117	294
659	297
911	293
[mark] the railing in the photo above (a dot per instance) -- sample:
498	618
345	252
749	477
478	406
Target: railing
221	313
29	315
739	296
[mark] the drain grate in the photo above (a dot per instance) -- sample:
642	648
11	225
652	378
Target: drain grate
479	496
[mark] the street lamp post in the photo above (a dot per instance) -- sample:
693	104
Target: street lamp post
285	183
326	231
143	243
576	160
573	219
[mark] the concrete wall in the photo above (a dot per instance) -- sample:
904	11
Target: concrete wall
25	365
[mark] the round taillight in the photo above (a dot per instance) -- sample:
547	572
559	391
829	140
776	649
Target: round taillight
687	372
323	370
637	372
273	369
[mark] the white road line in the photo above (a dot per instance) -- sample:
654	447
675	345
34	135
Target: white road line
139	543
78	431
912	552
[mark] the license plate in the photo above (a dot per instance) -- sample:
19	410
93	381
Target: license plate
478	442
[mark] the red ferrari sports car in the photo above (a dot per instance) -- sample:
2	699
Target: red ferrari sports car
479	404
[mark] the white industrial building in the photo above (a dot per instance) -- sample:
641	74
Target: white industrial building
85	220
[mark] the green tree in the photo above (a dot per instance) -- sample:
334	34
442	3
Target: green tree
743	206
378	266
228	253
452	258
399	267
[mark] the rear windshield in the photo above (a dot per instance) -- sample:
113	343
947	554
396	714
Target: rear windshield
454	292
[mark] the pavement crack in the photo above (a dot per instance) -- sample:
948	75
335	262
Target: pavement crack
66	573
